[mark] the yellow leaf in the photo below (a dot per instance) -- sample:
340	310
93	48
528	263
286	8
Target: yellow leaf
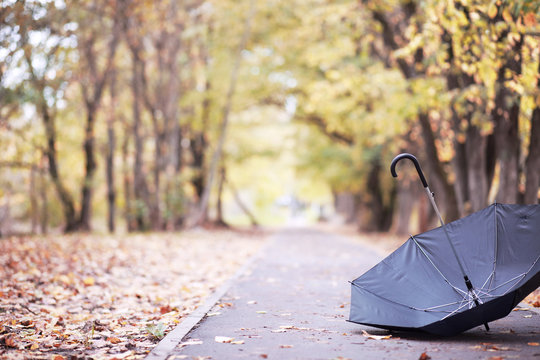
89	281
492	11
375	337
34	346
507	16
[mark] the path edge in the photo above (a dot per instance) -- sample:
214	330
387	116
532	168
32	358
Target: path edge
166	345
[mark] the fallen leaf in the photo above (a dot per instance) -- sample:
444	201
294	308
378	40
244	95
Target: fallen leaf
223	339
10	341
89	281
527	316
264	356
533	344
114	340
261	312
123	355
375	337
34	346
237	342
165	309
213	314
424	356
58	357
191	342
286	346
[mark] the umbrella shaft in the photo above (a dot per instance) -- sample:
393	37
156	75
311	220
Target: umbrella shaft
431	197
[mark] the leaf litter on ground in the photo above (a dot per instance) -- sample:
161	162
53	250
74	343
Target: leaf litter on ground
104	297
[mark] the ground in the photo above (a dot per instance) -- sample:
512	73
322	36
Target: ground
115	297
108	297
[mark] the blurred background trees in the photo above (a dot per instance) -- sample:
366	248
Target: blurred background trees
158	115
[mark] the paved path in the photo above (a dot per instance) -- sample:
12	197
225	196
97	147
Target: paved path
293	304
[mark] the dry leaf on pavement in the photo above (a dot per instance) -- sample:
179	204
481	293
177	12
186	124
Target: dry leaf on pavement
375	337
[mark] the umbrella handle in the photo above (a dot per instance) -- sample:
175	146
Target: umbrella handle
416	164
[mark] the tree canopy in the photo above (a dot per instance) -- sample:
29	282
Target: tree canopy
164	114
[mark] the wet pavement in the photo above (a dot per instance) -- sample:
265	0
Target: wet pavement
292	302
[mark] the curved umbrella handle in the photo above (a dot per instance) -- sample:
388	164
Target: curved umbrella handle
416	164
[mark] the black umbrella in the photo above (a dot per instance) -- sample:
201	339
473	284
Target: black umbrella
460	275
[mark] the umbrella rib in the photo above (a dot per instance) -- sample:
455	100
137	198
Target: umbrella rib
429	309
384	298
456	289
491	277
520	276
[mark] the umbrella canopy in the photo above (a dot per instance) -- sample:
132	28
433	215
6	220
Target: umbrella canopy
420	286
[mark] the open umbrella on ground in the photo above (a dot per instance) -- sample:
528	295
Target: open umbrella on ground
460	275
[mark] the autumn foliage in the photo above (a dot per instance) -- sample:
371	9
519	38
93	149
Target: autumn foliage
107	297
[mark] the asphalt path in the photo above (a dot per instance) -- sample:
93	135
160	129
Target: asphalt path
292	302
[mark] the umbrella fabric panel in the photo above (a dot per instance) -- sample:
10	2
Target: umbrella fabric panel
370	309
518	246
409	280
473	238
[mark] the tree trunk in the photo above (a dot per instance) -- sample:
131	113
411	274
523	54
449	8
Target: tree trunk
437	172
89	170
506	115
92	91
219	219
476	169
66	200
109	158
44	213
532	164
127	183
378	213
34	213
139	181
242	205
203	205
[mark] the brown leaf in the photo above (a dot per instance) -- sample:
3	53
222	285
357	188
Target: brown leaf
286	346
424	356
114	340
58	357
533	344
165	309
10	341
530	20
